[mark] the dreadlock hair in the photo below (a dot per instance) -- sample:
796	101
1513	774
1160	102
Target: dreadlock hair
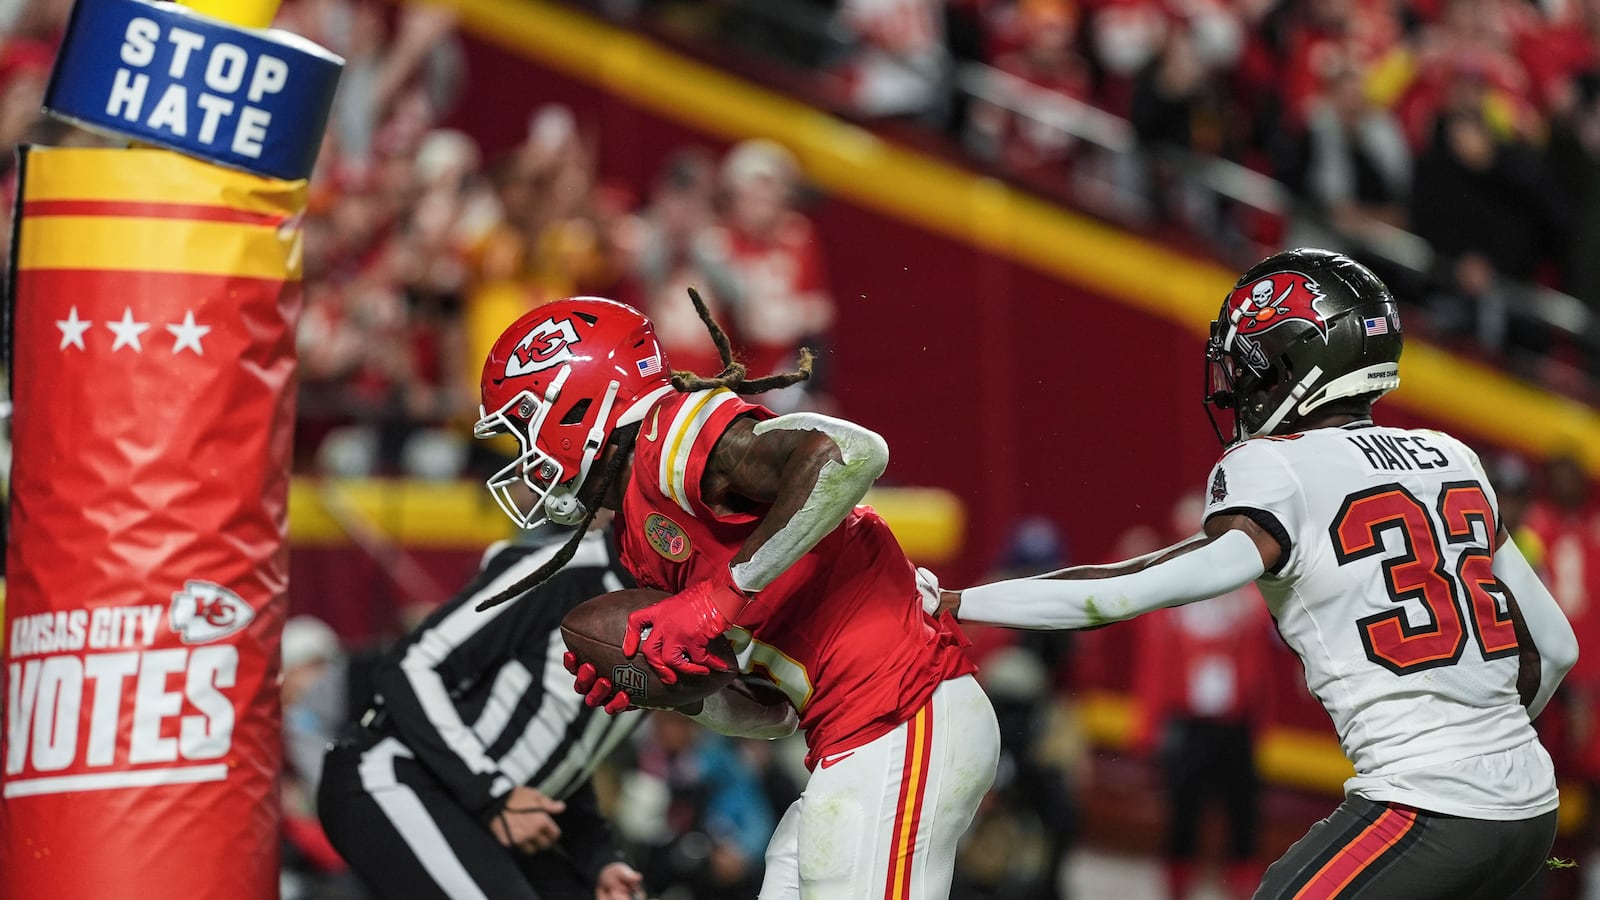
733	372
731	377
623	439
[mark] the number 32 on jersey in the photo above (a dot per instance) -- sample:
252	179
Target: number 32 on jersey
1455	599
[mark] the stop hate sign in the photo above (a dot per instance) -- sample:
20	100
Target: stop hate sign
252	99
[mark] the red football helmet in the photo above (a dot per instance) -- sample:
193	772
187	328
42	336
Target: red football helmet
561	379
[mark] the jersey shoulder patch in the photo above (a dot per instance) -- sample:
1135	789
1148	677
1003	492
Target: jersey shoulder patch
1254	474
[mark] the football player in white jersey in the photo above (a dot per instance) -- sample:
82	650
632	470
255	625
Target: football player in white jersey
1426	635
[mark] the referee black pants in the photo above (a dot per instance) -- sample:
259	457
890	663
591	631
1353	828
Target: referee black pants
1384	851
407	838
1205	761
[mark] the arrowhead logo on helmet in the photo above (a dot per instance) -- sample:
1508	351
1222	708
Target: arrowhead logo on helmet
546	345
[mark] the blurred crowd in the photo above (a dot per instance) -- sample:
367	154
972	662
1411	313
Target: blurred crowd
1474	124
420	249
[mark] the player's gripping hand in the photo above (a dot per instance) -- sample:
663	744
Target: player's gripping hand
596	691
936	601
679	628
527	822
928	591
619	881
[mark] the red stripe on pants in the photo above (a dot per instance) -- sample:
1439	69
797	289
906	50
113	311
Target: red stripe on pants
926	720
908	809
1356	856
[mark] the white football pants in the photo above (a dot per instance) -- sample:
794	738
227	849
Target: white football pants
883	819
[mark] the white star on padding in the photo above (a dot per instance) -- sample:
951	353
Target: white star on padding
188	335
72	329
128	332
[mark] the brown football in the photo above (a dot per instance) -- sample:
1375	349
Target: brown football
593	631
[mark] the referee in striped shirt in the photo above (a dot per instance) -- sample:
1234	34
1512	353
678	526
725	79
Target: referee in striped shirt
468	777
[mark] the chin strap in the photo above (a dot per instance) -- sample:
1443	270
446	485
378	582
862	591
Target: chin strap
1282	412
562	504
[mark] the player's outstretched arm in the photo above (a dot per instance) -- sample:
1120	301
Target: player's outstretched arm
1549	649
1232	553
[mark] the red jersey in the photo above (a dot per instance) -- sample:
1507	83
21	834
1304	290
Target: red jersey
842	633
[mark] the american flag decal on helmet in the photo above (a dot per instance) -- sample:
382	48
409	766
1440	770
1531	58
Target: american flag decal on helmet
650	366
1379	325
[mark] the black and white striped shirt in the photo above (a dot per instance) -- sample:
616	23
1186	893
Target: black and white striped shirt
482	698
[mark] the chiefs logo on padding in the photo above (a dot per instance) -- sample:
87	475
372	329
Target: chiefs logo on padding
204	611
1281	297
547	344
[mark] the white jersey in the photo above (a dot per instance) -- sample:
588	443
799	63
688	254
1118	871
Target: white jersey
1386	594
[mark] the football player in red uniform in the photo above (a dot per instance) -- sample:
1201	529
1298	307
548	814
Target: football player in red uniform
750	521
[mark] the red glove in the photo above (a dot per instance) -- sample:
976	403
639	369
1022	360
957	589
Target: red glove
681	626
596	691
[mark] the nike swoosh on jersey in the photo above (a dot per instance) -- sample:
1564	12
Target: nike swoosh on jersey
837	759
655	419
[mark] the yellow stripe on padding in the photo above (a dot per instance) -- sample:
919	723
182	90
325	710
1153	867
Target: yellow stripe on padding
127	244
154	176
854	164
246	13
686	428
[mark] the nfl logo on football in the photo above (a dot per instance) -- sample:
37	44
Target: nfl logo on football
630	679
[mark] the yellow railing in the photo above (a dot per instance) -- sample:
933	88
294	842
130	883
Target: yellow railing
929	522
1290	757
